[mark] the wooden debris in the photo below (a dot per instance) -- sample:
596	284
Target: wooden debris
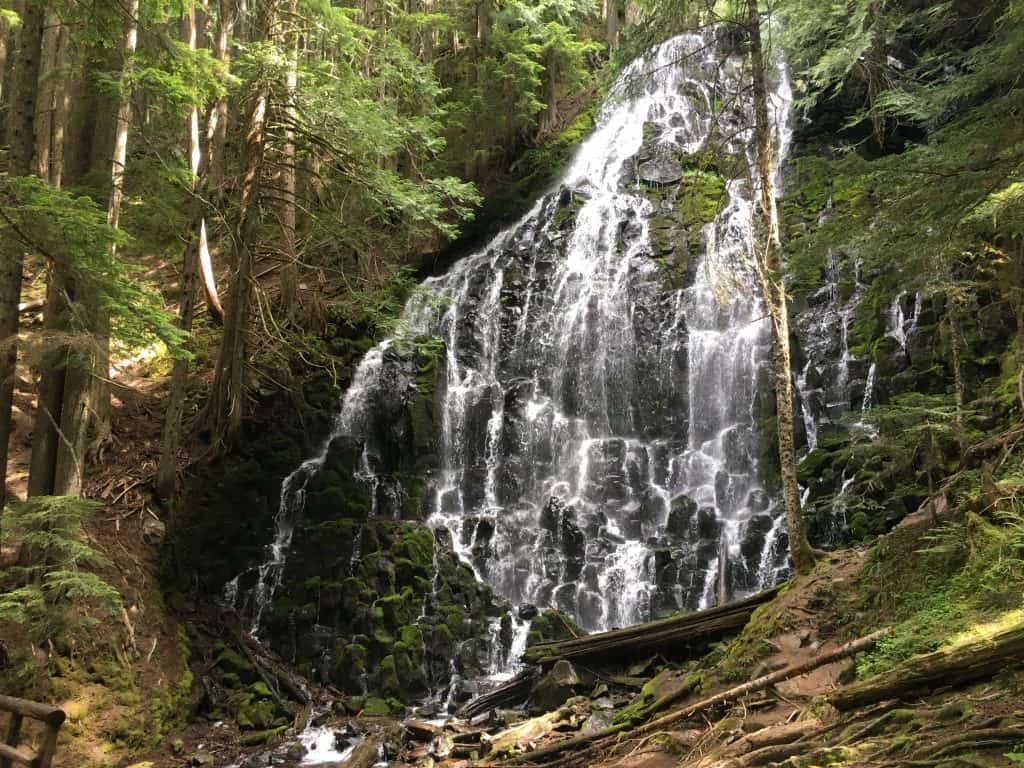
684	713
948	667
511	694
670	636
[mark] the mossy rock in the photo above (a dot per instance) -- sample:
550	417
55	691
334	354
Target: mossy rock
550	626
255	713
231	663
701	198
813	464
376	707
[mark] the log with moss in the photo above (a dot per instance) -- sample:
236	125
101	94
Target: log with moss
673	636
963	663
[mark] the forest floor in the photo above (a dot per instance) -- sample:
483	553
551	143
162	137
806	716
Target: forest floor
113	695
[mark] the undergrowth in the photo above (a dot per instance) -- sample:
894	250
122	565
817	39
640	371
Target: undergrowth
968	572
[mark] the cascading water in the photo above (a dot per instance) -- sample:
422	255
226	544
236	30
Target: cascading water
597	426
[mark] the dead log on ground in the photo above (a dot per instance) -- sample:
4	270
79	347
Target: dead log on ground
945	668
684	713
665	635
510	694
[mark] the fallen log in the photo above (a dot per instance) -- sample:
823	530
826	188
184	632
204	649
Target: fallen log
687	712
665	635
944	668
368	753
510	694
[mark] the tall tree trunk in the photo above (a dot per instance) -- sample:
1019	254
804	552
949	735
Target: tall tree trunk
51	426
167	472
956	344
768	259
218	126
50	388
612	23
120	159
227	395
549	117
1017	246
289	185
484	22
21	134
216	138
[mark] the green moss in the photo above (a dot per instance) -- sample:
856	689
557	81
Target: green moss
965	574
376	707
813	464
255	713
701	197
387	677
658	693
552	625
411	636
171	705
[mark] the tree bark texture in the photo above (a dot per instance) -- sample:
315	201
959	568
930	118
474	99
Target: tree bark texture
227	396
768	260
21	135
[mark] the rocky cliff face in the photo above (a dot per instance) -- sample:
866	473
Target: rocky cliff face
578	417
571	419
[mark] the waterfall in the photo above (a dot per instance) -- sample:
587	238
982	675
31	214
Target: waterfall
597	429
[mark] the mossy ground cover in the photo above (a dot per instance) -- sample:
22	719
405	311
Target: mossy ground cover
942	585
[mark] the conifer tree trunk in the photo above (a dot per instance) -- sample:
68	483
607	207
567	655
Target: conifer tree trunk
289	185
612	23
218	126
170	439
21	135
51	425
120	159
768	260
216	139
4	34
227	396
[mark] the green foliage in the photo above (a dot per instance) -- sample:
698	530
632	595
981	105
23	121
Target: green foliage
967	573
49	592
72	232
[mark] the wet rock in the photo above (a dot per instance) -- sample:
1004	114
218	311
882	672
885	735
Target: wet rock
202	760
561	683
680	516
528	611
662	166
708	525
153	530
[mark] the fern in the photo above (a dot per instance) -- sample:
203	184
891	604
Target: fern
48	592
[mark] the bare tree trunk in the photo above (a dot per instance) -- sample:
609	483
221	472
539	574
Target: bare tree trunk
120	158
227	395
23	110
289	183
4	34
612	23
484	21
1019	269
768	259
49	429
216	137
956	345
50	387
549	117
166	476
